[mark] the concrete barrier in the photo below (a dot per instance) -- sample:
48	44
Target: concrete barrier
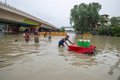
53	33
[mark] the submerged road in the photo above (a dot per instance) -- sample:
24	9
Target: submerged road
45	61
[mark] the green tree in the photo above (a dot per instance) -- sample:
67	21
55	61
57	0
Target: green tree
84	17
62	29
115	21
115	26
94	16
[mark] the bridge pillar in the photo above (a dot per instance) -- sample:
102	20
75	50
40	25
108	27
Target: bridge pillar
7	30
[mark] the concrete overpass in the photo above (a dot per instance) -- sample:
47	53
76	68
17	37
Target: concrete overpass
13	16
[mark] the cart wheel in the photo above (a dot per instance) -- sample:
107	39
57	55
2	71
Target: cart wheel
94	52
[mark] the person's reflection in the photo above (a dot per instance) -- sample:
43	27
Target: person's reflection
36	46
49	40
61	51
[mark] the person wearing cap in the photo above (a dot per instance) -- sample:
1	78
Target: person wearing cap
62	41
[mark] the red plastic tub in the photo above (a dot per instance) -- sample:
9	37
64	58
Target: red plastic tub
82	50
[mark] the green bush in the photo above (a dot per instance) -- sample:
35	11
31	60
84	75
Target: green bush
116	31
111	31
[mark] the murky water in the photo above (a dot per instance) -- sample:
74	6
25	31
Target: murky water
45	61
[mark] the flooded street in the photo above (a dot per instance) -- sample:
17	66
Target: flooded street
45	61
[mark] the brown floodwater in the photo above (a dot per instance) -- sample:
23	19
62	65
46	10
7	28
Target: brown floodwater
45	61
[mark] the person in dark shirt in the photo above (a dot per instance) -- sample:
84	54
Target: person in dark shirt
36	37
62	41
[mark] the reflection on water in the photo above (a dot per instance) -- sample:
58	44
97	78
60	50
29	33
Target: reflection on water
107	48
77	59
114	67
46	52
108	54
10	49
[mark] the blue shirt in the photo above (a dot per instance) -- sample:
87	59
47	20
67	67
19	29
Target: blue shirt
62	40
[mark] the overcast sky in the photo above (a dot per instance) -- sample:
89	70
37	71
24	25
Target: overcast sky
57	12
